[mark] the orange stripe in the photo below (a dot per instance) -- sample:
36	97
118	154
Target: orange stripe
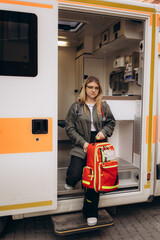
147	124
157	20
16	136
30	4
159	128
154	129
150	19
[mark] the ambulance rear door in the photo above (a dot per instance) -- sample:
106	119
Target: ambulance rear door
28	106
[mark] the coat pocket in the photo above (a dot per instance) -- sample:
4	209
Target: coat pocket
108	176
88	177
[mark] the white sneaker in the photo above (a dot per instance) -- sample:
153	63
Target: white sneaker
91	221
68	187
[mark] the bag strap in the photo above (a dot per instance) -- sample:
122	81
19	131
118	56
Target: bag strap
102	111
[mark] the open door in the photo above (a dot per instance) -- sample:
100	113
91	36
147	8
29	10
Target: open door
28	106
157	164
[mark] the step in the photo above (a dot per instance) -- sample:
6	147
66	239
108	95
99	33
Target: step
72	223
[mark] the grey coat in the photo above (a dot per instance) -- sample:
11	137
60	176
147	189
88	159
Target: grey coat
78	126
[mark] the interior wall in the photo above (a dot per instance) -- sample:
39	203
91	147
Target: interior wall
126	140
94	66
114	139
66	84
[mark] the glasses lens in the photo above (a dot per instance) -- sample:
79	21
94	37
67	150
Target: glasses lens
91	88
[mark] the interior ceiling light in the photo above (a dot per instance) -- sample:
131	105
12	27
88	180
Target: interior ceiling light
62	37
63	43
69	26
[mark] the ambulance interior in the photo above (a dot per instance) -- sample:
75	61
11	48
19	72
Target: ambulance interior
110	48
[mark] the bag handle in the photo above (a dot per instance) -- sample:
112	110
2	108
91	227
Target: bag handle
95	140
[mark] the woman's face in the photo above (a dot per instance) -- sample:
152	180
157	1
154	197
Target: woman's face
92	90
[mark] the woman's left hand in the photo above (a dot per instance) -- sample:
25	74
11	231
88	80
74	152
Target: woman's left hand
100	136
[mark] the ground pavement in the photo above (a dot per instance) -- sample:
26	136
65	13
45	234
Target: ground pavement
131	222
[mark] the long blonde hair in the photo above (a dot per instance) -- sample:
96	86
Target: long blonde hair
83	96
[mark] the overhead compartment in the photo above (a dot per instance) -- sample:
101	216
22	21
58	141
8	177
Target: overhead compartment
118	36
130	29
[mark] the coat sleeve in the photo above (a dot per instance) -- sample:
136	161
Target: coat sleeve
109	122
70	127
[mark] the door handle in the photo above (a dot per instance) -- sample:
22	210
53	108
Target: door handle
39	126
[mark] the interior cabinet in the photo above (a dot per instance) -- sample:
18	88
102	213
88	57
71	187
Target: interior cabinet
86	65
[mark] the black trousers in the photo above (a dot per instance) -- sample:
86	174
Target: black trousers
74	175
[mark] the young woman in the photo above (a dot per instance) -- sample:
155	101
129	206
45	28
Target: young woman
84	123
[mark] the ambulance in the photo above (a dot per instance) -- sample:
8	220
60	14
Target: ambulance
47	49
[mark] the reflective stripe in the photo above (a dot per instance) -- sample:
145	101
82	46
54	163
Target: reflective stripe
25	205
85	182
30	4
147	123
111	166
109	187
99	177
87	200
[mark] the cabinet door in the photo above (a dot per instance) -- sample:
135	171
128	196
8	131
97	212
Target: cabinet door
94	67
79	75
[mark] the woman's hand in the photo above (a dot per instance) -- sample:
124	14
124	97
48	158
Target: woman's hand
100	136
85	146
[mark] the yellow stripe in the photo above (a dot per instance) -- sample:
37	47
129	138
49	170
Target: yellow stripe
95	158
151	93
147	120
99	177
111	166
109	187
119	6
26	205
82	229
88	183
30	4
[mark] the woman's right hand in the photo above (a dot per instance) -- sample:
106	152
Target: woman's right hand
85	146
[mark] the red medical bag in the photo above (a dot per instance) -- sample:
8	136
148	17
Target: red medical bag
101	171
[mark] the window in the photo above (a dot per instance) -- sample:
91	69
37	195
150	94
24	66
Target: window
69	26
18	44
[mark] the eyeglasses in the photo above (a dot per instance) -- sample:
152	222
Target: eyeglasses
91	88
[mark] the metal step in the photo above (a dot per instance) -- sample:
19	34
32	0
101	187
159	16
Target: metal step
72	223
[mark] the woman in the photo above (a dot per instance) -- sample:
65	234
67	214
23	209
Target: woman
87	119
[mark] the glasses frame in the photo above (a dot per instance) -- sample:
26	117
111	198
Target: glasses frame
91	88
